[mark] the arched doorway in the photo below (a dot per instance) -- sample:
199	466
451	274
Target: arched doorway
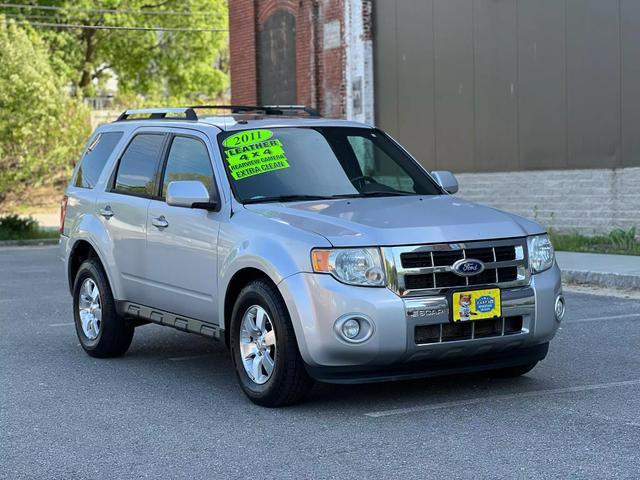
277	60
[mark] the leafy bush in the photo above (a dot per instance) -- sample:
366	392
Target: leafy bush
13	227
618	241
624	239
42	128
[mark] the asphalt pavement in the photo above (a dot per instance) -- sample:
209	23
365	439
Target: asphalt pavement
171	408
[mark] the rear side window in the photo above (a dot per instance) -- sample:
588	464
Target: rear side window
188	160
95	158
138	169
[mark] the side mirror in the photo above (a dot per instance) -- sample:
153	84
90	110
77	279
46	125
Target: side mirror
446	180
189	194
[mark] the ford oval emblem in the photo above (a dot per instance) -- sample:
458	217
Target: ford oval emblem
467	267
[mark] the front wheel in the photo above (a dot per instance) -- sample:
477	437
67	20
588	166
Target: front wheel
101	331
264	348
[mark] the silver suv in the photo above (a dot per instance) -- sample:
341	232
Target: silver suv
316	249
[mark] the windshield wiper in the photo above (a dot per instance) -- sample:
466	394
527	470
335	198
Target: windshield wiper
285	198
374	194
301	198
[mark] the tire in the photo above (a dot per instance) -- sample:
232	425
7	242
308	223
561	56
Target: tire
288	382
512	372
111	335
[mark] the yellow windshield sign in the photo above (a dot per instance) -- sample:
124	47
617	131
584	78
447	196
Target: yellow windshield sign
246	137
253	152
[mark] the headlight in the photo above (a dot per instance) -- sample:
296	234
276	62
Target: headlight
355	266
540	253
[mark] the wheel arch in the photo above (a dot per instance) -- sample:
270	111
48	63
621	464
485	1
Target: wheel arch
238	281
82	250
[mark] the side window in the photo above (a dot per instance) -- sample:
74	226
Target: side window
372	158
188	160
95	158
138	169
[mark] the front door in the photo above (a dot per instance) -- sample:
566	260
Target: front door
180	258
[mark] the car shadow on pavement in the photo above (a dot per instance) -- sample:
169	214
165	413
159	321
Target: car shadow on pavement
210	361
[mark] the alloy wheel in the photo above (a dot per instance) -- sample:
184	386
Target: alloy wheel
90	309
257	344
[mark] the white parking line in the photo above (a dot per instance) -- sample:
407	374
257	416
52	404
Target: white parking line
28	298
60	324
510	396
597	319
190	357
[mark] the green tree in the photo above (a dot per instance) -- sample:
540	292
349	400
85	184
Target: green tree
185	57
42	128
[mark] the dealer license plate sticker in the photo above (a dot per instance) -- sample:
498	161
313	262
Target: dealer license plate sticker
476	305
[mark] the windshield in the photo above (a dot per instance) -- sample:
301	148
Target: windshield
295	163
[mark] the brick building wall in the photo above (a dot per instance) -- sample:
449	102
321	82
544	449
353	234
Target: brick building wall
242	47
333	65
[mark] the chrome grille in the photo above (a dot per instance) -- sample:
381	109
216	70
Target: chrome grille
425	269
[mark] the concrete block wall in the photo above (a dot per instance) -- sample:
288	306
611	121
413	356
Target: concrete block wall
586	201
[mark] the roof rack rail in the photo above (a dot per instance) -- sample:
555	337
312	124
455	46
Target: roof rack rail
159	114
265	109
190	112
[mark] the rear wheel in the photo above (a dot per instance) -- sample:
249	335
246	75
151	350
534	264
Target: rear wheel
264	348
101	331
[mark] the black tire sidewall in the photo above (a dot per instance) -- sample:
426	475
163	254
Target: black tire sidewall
88	270
257	294
114	336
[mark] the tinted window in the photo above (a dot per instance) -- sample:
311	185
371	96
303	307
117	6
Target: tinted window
377	166
95	158
188	160
326	162
138	169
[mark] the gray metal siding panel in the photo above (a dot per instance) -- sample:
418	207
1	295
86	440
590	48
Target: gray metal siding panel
495	86
630	43
593	83
385	66
415	75
454	99
542	97
573	67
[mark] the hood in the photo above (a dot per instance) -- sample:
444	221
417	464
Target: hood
386	221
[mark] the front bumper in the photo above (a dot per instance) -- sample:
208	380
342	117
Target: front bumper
316	301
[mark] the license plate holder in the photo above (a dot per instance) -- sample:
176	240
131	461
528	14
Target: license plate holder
478	304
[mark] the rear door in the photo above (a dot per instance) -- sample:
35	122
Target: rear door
122	208
181	256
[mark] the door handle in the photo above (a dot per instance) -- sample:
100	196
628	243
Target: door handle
160	222
106	212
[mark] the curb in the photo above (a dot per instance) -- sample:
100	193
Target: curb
601	279
35	242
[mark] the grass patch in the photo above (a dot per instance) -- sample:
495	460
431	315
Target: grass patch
14	227
618	241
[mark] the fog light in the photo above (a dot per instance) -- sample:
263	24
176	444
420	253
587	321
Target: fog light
351	328
559	308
